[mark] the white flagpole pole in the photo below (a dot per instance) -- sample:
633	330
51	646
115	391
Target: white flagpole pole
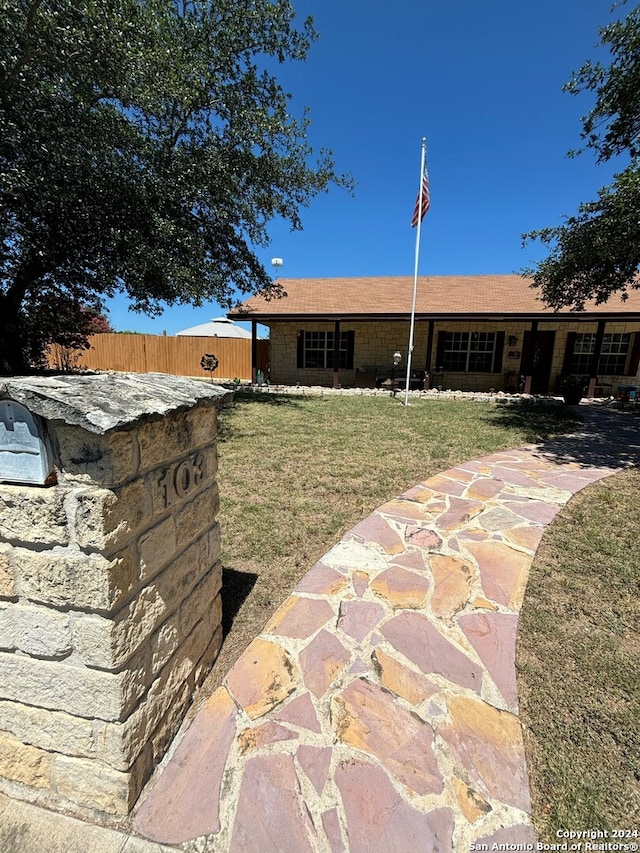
415	272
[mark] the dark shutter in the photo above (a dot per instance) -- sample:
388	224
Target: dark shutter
351	338
427	363
597	350
440	350
300	349
499	351
525	361
634	361
568	353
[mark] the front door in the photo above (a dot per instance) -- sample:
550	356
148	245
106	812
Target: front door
538	361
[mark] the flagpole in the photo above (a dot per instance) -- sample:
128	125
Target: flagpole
415	271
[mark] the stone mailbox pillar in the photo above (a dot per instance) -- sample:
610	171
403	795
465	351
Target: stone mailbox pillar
109	580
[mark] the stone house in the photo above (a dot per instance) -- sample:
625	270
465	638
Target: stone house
471	333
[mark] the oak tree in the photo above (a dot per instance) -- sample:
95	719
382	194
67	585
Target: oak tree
596	252
145	145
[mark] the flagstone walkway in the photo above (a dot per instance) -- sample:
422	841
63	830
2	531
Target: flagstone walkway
378	711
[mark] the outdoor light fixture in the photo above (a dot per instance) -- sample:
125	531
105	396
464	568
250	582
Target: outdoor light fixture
397	358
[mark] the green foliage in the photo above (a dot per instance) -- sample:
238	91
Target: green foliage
144	147
59	321
597	252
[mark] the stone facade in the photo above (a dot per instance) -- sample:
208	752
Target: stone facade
375	344
110	612
376	341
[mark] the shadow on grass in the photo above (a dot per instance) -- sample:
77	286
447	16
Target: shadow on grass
236	588
267	399
538	422
598	437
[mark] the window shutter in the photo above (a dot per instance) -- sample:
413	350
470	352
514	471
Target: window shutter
568	353
634	361
440	350
498	353
301	349
351	337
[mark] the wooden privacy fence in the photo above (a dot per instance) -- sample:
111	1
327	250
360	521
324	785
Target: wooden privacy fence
180	355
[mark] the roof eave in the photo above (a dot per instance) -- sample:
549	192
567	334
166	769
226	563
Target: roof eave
502	316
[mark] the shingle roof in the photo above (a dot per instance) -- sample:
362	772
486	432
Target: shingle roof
437	296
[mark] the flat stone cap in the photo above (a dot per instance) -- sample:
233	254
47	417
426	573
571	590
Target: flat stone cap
101	402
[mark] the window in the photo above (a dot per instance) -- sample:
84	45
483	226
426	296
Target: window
613	355
315	349
471	352
582	352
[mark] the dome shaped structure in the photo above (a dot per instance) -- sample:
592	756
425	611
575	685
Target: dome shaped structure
220	327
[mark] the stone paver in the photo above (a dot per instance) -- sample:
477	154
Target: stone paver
25	828
378	709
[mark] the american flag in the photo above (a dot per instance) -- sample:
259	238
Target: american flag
418	211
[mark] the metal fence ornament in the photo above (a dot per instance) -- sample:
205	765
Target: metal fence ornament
209	362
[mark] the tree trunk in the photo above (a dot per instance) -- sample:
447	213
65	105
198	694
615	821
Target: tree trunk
13	360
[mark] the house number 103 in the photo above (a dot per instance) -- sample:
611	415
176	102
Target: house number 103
179	481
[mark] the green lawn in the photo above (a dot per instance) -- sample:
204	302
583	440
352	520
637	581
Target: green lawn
297	472
578	662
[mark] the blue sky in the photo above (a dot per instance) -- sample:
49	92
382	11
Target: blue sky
482	81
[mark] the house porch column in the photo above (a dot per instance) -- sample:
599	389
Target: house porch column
254	351
595	358
336	354
528	367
